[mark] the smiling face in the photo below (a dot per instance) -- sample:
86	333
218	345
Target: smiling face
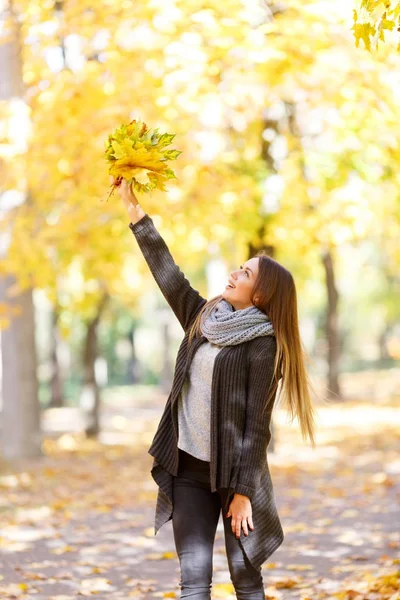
243	279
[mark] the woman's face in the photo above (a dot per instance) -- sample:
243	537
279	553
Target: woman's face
243	279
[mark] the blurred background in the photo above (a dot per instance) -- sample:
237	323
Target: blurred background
289	136
288	120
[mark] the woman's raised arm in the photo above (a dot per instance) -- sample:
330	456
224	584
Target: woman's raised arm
184	300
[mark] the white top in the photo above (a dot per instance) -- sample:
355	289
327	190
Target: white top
194	403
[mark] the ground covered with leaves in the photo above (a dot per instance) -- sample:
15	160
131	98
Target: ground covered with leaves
79	521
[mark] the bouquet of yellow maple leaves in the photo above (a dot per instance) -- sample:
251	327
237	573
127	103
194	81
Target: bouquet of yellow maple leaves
139	155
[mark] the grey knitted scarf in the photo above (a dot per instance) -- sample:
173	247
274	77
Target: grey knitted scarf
227	327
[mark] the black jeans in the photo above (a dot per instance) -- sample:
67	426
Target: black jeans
194	521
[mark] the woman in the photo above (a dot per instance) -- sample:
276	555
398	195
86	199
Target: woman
210	446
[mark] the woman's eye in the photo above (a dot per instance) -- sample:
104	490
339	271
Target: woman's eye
241	267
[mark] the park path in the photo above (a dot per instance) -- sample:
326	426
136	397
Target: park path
80	522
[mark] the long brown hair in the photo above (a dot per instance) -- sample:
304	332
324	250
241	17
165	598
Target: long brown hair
274	292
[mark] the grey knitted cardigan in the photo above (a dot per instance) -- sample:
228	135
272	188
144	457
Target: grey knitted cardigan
239	433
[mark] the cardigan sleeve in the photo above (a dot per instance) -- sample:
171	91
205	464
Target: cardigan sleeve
176	289
257	433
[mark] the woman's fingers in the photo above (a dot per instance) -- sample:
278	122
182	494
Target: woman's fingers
244	526
242	517
241	523
237	531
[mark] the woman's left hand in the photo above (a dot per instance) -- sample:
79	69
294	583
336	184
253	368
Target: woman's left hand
241	512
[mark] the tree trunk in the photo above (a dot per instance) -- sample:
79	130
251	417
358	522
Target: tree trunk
382	341
270	125
332	332
90	396
21	436
11	81
133	367
331	328
56	384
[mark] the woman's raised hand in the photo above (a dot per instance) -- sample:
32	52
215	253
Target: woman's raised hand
130	201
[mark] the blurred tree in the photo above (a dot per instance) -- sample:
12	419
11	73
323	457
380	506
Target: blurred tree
56	383
20	415
90	396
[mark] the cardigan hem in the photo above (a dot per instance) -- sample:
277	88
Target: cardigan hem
272	536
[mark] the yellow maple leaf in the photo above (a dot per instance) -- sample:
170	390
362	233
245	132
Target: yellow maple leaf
139	155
